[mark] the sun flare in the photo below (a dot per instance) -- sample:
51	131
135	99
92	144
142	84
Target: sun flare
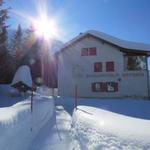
45	27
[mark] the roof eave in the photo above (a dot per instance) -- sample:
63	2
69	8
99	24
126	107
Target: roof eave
123	48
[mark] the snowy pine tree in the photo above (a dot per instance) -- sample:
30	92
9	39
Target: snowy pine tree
32	53
17	47
3	27
6	67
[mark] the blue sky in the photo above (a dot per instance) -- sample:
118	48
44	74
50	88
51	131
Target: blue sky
126	19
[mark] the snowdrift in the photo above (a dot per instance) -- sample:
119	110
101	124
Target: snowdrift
137	108
96	129
17	121
9	96
5	89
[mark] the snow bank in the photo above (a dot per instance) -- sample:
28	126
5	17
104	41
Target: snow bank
17	121
55	138
44	90
5	89
100	129
9	96
136	108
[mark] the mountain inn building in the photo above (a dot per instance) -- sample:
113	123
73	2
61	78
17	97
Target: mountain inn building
98	65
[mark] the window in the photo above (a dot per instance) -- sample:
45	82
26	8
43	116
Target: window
92	51
88	51
105	87
135	62
109	66
112	87
98	67
96	87
84	52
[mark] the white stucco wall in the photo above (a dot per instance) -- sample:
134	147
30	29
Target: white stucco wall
74	69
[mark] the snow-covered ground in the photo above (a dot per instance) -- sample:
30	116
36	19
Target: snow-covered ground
106	124
98	129
109	124
130	107
19	127
6	99
57	137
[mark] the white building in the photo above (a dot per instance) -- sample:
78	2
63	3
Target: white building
103	66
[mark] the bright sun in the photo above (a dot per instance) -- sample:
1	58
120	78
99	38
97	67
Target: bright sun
45	27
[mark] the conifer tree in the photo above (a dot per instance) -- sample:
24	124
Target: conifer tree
32	53
5	58
18	45
3	27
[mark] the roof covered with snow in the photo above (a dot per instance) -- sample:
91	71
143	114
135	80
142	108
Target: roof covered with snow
23	74
113	40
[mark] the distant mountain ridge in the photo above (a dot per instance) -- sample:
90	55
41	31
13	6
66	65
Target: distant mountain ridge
55	44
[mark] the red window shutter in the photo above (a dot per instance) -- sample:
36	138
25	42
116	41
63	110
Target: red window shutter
104	87
109	66
116	87
92	51
93	87
84	52
98	67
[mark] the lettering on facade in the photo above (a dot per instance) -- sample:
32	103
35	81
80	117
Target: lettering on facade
110	75
81	75
133	74
102	75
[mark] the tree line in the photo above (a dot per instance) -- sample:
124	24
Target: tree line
22	48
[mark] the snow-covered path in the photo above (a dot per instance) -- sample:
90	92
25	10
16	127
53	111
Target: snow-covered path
53	139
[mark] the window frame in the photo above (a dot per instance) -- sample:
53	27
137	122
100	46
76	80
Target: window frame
92	51
84	52
126	61
89	51
98	68
110	66
103	87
